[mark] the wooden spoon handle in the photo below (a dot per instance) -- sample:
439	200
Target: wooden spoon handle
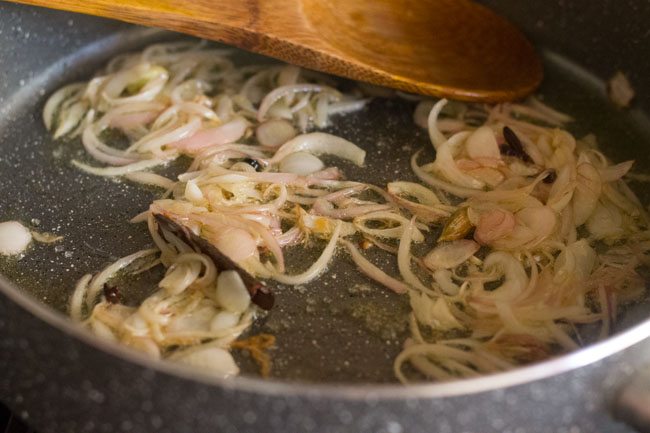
272	28
276	29
452	48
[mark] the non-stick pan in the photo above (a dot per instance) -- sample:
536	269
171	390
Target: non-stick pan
336	337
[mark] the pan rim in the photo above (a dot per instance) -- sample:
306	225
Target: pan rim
336	391
339	391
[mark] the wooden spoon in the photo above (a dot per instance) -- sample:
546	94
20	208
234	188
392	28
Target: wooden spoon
446	48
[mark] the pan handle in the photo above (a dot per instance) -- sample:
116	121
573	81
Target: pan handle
632	404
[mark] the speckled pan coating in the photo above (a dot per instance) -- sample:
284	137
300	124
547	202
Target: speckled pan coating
61	380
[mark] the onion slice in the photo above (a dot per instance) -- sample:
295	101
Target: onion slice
14	238
118	171
373	271
317	267
227	133
319	143
450	255
275	132
284	91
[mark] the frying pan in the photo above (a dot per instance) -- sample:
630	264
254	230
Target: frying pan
336	337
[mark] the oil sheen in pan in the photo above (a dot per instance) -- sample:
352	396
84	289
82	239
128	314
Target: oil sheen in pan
341	328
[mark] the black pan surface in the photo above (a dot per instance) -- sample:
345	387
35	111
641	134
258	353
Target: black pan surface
340	328
63	382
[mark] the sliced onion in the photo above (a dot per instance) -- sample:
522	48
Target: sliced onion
115	315
423	194
541	220
288	75
98	281
320	143
436	137
443	278
575	263
427	207
235	243
345	107
118	171
515	277
275	132
622	197
404	259
143	344
620	90
54	102
373	271
562	190
188	90
179	277
615	172
397	232
421	113
154	141
605	222
483	144
94	86
284	91
224	320
232	293
323	227
320	116
324	207
192	192
493	225
199	109
433	312
436	182
152	179
446	165
212	360
103	153
301	106
253	84
119	117
227	133
301	163
317	267
70	118
46	238
154	78
14	238
224	107
102	331
450	255
228	176
127	122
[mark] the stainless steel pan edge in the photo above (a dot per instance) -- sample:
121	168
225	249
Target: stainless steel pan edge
58	378
65	380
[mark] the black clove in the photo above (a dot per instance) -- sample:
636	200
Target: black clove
513	146
112	294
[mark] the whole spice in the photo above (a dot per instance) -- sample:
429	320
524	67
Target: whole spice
253	163
458	226
513	146
112	294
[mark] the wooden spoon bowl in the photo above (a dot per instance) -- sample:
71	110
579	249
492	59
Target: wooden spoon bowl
445	48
